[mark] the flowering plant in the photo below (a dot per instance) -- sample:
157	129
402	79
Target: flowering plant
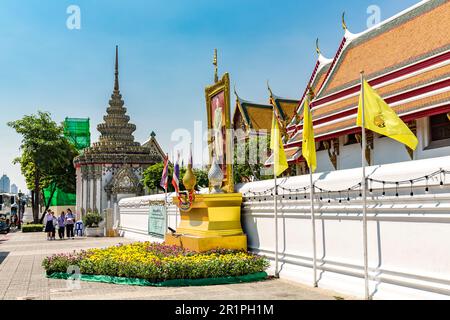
158	262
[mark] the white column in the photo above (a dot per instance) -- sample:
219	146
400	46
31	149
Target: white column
98	189
91	188
84	192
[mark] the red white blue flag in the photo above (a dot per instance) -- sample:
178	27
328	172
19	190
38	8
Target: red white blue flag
176	175
165	174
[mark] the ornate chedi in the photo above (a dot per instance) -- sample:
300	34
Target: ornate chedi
112	167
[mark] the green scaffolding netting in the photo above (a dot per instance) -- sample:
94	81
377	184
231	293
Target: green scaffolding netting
77	131
259	276
60	198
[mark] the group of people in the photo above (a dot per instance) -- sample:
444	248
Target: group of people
63	223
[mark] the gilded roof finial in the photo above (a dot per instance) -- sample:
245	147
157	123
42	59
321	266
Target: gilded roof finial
216	76
268	88
116	72
344	25
317	46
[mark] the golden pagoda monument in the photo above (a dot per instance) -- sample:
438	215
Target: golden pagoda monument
213	220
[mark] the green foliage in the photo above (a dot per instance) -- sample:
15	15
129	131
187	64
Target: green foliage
47	156
158	262
92	219
32	228
152	177
202	178
249	158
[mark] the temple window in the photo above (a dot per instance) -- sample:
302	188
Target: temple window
439	130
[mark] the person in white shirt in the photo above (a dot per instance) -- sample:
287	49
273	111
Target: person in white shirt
49	224
70	222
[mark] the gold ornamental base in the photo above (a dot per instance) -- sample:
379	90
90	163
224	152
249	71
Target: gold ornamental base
202	243
214	221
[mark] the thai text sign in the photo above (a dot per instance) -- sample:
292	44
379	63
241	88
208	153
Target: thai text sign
157	219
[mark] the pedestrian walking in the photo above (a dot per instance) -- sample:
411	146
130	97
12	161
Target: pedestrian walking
70	221
61	225
49	224
55	225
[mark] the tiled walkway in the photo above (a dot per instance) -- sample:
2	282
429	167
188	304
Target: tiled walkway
22	277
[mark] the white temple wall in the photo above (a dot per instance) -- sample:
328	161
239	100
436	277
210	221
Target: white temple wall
407	236
349	156
386	151
323	161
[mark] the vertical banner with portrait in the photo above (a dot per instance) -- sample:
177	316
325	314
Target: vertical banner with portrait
219	128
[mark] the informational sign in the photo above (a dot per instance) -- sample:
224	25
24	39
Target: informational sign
157	221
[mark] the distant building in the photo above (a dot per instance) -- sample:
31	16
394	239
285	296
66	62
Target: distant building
14	189
5	184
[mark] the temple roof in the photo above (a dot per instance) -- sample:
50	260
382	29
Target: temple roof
414	34
285	106
116	140
315	82
256	116
406	58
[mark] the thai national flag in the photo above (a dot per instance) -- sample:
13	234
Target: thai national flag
176	175
165	174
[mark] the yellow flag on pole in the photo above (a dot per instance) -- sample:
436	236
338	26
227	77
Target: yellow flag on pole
308	144
276	144
379	117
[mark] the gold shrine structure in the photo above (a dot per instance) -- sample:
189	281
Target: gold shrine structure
213	220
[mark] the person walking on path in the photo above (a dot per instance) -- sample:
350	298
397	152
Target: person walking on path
49	224
55	225
70	221
61	225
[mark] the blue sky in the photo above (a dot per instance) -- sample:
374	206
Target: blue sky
165	57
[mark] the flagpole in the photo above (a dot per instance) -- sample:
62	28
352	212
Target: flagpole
313	217
364	193
313	221
275	196
275	209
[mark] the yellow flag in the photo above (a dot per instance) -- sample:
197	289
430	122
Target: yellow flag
279	157
308	144
379	117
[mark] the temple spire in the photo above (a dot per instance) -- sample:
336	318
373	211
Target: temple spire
116	72
216	76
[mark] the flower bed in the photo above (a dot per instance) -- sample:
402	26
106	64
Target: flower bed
156	262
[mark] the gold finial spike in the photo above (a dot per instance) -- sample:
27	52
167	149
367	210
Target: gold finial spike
317	46
344	25
216	76
116	72
268	88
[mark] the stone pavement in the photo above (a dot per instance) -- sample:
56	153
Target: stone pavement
22	277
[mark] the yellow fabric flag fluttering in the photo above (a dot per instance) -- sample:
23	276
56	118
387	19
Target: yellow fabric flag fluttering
308	144
379	117
276	145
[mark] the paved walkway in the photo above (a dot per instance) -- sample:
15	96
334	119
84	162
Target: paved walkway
22	277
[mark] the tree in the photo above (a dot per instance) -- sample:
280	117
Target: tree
249	159
152	177
46	156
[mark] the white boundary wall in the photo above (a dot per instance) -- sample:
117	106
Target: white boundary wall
408	237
